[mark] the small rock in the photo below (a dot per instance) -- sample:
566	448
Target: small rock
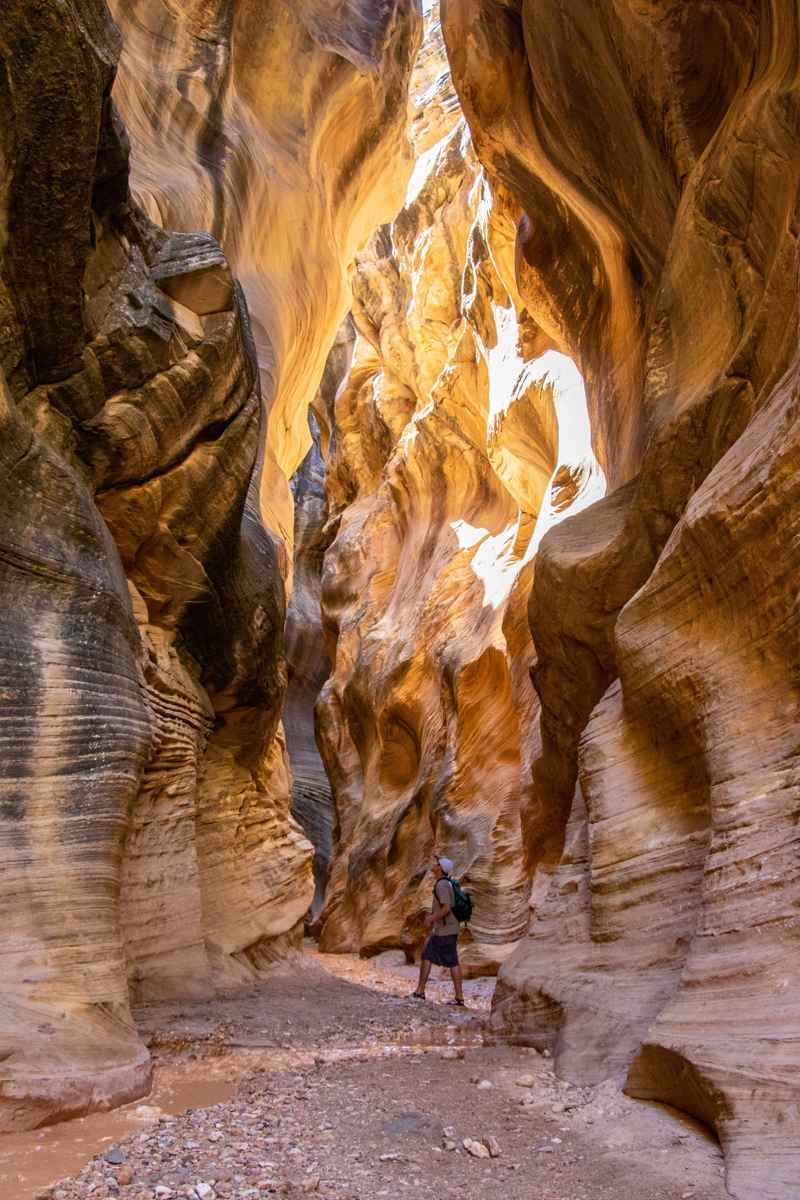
147	1112
204	1191
448	1144
393	1157
485	1085
546	1054
125	1175
115	1156
452	1052
476	1149
492	1145
311	1184
449	1131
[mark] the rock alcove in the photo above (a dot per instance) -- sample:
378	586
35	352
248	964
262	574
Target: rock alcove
400	449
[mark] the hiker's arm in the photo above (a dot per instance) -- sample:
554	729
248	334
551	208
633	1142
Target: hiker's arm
439	912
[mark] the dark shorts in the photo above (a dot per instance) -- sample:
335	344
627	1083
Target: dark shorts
441	950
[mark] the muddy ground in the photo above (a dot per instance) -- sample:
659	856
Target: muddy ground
331	1083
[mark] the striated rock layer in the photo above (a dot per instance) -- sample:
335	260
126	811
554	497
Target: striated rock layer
146	844
440	448
653	148
282	128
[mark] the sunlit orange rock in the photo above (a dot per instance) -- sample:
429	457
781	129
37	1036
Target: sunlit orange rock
442	446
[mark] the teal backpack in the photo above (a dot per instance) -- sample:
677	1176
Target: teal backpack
462	901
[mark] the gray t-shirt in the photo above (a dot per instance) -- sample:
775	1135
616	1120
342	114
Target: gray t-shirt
443	891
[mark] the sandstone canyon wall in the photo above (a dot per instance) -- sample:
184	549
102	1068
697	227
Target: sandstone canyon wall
146	843
306	654
441	445
653	147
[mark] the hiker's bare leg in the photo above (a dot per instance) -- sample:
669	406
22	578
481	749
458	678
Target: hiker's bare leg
424	972
458	986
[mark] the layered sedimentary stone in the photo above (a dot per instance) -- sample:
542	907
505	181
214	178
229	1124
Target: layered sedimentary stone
282	129
443	444
652	148
147	844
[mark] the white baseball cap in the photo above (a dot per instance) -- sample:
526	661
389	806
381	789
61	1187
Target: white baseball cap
445	863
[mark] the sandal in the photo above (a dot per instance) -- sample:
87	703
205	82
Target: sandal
457	1003
417	996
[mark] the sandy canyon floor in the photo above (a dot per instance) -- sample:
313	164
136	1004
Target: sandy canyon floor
328	1081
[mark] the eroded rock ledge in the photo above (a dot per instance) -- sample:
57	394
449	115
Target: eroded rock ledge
653	148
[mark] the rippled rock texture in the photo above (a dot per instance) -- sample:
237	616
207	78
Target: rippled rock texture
282	129
146	844
653	147
441	446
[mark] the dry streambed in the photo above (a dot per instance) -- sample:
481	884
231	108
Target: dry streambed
346	1090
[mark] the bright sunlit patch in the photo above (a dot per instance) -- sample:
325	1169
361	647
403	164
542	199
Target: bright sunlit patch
493	561
493	558
422	170
574	439
467	535
508	371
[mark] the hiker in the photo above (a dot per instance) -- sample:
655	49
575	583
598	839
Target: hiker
441	947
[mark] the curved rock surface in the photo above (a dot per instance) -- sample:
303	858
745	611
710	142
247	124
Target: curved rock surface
442	445
146	843
282	129
653	148
306	652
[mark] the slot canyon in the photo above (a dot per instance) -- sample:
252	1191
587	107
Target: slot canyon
400	408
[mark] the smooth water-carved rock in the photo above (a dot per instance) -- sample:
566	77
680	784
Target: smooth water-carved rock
652	147
306	653
443	443
146	840
282	129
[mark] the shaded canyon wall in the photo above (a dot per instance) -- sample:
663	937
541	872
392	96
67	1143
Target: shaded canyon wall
146	844
653	147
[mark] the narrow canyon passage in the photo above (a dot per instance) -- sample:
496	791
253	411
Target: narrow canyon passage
400	456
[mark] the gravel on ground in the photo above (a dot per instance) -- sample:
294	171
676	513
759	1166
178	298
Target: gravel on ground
349	1090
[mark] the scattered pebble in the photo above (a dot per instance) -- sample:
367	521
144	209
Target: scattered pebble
476	1149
